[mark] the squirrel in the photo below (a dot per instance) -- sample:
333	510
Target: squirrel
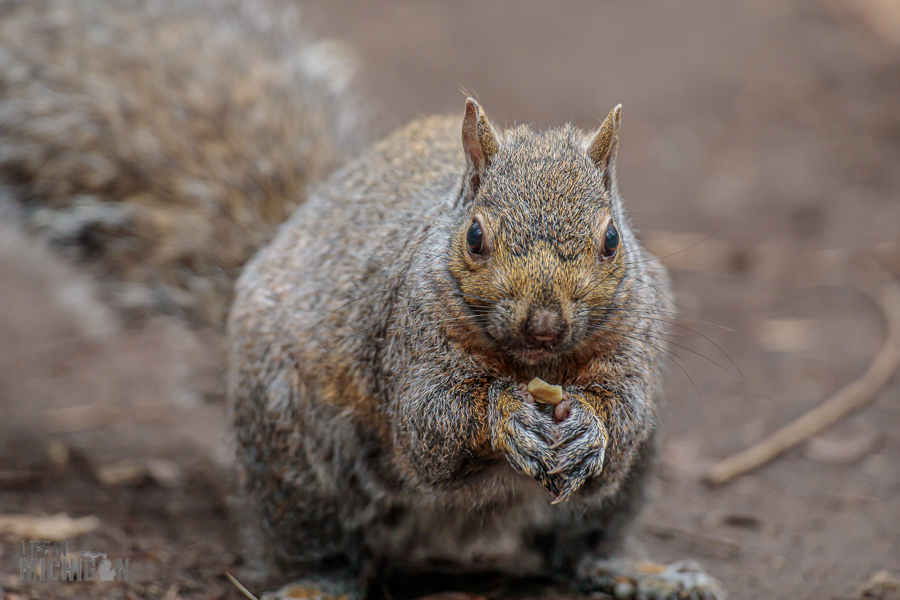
159	143
379	345
378	351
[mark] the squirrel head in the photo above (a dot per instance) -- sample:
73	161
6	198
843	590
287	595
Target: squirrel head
538	254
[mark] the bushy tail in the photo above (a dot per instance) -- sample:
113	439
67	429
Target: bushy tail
162	141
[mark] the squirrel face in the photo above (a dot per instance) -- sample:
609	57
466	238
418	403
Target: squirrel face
537	256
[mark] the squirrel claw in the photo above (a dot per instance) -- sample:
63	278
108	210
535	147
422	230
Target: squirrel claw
558	468
563	496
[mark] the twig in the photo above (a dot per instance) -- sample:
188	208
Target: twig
238	585
172	594
851	397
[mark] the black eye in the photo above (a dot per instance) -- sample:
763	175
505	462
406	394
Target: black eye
475	238
611	241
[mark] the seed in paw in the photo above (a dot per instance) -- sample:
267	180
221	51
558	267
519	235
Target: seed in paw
544	392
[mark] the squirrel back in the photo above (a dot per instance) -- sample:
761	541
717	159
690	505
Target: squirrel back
161	142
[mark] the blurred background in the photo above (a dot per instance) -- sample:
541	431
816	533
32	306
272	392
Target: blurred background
759	152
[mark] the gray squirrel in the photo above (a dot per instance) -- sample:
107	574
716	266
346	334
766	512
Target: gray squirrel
379	349
380	345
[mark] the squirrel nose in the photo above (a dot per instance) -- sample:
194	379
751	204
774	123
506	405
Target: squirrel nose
544	328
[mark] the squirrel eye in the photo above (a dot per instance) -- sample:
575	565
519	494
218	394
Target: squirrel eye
475	238
611	241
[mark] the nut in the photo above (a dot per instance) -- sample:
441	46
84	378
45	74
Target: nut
544	392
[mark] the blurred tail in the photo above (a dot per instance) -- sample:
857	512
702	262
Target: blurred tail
160	142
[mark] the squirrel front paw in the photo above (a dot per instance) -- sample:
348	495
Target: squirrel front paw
580	447
524	434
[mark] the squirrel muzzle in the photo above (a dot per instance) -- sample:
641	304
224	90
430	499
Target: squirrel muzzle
544	328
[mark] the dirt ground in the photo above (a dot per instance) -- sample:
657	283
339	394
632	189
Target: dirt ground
760	144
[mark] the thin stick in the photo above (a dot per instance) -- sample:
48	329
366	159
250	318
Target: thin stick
238	585
853	396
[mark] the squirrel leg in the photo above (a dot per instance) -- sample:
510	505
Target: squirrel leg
629	578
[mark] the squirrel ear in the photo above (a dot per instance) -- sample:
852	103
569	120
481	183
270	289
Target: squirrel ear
480	144
602	148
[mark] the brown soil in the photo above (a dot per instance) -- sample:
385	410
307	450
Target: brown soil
767	133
